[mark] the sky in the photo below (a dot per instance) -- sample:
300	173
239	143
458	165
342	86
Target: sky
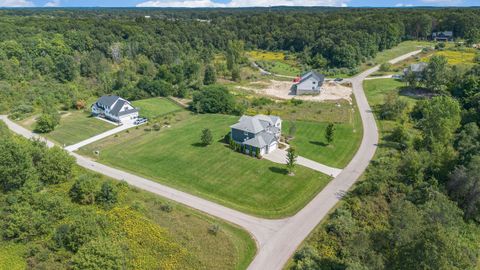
233	3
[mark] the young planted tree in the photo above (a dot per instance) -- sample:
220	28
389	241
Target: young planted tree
206	137
330	133
291	160
292	130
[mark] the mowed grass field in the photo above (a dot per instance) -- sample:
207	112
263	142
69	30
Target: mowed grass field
310	141
376	90
175	156
74	127
401	49
155	107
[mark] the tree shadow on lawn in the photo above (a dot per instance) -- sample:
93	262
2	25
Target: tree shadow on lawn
278	170
198	144
318	143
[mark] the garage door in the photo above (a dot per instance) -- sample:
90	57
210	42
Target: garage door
272	147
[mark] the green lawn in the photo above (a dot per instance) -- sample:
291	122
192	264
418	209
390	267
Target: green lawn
376	90
155	107
74	127
401	49
310	142
281	68
175	157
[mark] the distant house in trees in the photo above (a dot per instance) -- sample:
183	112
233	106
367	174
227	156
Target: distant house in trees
309	83
442	36
114	108
260	132
416	69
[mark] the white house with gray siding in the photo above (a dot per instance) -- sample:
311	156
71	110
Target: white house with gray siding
257	132
309	83
114	108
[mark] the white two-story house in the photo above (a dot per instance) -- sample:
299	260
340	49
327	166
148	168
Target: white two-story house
114	108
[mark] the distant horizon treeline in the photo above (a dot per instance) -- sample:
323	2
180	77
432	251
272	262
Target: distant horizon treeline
61	56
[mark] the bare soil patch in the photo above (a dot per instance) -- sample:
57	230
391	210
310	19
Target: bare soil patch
283	90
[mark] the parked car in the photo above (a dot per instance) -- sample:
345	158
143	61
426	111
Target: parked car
397	76
140	121
338	80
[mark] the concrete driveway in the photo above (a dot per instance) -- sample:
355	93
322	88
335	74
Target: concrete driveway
75	147
280	156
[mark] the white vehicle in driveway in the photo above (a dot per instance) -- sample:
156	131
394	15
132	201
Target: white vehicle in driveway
140	121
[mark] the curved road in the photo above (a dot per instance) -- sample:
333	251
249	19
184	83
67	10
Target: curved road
277	240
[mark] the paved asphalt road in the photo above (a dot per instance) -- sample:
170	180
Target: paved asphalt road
277	240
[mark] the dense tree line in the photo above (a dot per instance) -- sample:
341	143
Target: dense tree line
64	57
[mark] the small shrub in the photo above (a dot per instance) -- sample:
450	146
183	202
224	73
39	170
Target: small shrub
296	102
166	208
214	229
138	206
156	127
385	67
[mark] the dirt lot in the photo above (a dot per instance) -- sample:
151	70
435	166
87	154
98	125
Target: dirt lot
282	89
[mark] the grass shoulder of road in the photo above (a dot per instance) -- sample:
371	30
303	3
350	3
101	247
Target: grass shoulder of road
74	127
155	107
174	156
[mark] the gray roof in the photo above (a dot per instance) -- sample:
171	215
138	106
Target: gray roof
118	106
444	33
107	101
261	140
319	77
420	67
249	124
257	123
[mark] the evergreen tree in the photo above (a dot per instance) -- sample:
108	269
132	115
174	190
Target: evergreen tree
291	160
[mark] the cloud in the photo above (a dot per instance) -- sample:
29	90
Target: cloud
241	3
403	5
54	3
16	3
443	2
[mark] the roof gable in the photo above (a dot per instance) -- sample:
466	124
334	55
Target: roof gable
313	74
256	124
108	101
